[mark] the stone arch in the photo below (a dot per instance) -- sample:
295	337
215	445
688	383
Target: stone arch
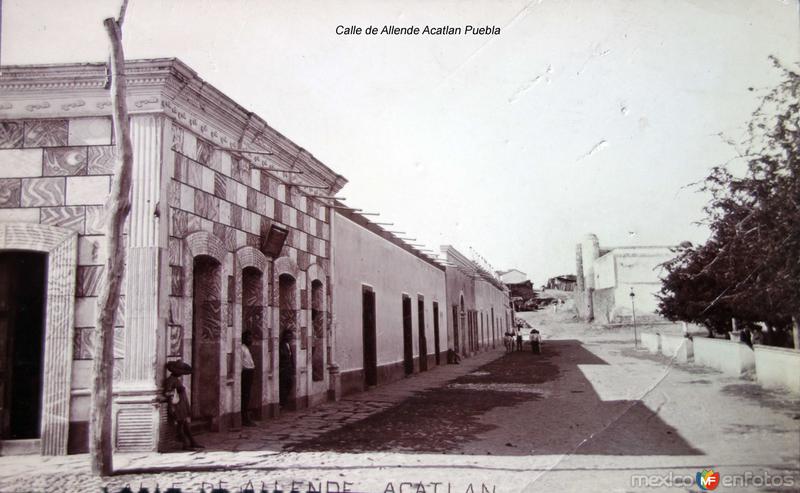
61	247
251	312
207	254
205	243
287	283
251	257
318	304
286	265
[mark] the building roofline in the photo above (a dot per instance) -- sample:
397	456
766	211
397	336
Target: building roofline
365	223
178	83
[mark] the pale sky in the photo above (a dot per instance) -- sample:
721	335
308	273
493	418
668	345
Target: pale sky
581	116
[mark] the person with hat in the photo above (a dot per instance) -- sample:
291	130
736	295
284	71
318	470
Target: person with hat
179	410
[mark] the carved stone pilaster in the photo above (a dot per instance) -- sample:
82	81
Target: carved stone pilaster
61	246
136	409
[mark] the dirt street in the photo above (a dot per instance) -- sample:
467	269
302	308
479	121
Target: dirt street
590	413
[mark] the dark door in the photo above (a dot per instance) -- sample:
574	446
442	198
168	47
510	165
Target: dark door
22	302
369	335
408	343
494	335
423	342
436	331
287	361
206	339
456	347
471	332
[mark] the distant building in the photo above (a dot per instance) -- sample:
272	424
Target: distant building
479	304
512	276
523	296
562	283
606	277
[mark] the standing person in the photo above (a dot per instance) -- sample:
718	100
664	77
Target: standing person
536	341
179	410
519	339
248	372
286	366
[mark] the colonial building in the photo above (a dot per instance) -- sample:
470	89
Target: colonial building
224	235
606	277
478	304
389	305
561	283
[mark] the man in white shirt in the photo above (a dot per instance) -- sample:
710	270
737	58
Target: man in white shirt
248	372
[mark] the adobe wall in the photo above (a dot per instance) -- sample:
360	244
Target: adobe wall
362	258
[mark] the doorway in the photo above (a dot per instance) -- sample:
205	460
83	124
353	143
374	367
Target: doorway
408	342
317	332
253	322
423	342
456	346
206	335
436	346
369	336
287	307
22	308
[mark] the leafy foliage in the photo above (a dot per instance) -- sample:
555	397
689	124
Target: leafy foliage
750	266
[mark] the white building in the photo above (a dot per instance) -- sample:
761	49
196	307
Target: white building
512	276
606	277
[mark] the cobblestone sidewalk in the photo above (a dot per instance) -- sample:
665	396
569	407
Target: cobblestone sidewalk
248	446
295	427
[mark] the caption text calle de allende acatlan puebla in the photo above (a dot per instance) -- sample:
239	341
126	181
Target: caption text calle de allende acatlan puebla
392	30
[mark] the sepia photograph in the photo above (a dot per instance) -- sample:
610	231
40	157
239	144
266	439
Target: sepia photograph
399	246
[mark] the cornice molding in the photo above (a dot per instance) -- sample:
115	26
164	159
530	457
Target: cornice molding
164	85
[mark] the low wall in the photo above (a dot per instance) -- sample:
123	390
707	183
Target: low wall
651	342
680	348
731	358
778	367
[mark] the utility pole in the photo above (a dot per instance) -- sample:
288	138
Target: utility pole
117	208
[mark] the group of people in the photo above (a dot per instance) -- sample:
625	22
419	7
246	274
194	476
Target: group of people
179	409
514	340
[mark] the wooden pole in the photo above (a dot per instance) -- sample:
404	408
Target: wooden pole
117	208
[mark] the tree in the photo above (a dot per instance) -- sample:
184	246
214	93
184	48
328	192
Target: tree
117	208
749	268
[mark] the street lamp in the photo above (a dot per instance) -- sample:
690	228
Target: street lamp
633	313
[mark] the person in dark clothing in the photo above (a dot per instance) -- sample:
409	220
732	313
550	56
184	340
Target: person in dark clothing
286	366
453	358
519	340
179	410
536	341
248	372
746	337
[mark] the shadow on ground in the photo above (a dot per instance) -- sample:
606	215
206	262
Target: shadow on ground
543	401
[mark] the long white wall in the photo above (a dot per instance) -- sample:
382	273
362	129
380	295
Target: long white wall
489	299
360	258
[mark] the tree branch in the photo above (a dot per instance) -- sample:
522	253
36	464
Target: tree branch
117	208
